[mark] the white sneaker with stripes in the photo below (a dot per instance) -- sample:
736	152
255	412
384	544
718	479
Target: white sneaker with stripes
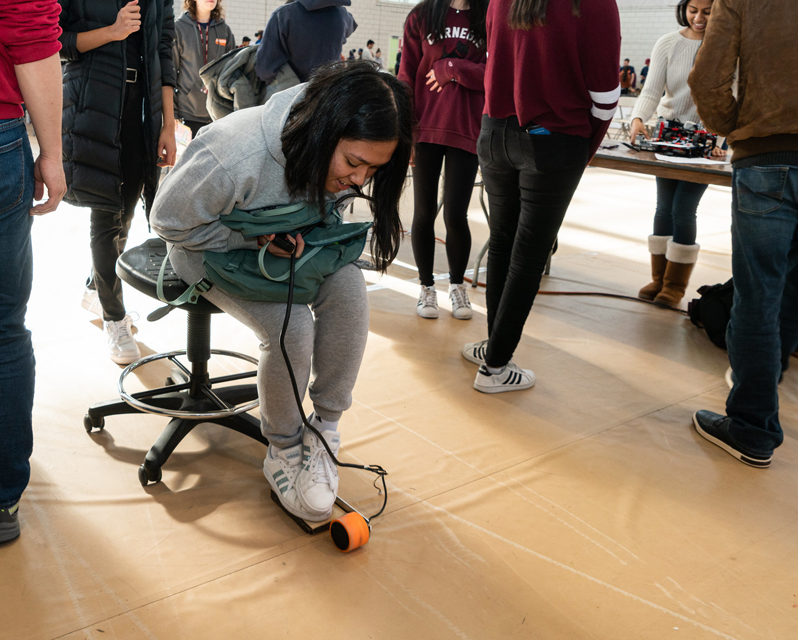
475	351
317	485
427	306
461	305
510	378
281	468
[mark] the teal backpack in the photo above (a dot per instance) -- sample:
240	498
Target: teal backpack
258	275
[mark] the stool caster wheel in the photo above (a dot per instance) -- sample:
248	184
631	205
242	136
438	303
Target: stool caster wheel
90	423
147	475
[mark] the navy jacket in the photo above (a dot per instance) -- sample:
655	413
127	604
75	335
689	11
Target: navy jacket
305	34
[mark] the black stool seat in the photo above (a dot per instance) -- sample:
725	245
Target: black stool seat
139	267
189	395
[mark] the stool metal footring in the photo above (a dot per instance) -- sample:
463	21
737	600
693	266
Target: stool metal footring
209	415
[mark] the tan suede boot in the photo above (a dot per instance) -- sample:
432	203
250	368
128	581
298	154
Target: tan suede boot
657	246
681	259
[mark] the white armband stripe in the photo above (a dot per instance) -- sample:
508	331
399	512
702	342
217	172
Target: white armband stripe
605	97
602	114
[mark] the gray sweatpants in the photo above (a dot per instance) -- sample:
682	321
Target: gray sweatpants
327	339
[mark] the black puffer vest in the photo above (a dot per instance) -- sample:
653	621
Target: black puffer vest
94	84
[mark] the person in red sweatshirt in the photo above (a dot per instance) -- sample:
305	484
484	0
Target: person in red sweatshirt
443	60
29	72
551	88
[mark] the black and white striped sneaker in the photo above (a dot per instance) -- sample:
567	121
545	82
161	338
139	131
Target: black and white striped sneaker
475	351
427	306
511	378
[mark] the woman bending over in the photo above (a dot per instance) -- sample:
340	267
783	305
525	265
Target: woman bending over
313	143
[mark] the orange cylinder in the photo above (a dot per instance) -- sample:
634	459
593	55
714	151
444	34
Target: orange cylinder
349	532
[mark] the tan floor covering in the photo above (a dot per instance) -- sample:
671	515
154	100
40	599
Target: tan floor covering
586	507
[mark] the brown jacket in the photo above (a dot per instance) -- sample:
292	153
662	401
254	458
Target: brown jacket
763	36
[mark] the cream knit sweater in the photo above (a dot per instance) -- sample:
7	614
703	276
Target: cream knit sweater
671	63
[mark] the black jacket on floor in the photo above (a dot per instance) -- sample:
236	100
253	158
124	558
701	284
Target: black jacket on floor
94	84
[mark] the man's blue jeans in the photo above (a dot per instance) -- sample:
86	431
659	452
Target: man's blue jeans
16	275
763	331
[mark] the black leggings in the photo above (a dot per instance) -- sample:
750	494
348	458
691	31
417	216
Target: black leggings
109	229
458	183
530	181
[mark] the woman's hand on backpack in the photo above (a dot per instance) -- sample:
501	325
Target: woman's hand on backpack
276	251
128	20
638	128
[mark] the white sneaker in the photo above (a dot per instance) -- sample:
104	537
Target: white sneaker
511	378
475	351
427	306
121	345
317	486
91	302
281	468
461	307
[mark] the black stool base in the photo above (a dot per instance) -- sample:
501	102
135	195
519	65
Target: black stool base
179	428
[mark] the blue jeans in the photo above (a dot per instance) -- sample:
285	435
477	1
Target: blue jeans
677	203
763	330
16	348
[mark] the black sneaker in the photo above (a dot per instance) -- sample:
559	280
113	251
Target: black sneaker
715	428
9	523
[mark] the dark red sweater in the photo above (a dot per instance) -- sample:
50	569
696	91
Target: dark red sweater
562	76
28	32
451	117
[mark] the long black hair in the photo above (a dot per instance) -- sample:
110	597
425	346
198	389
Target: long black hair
352	101
432	18
525	14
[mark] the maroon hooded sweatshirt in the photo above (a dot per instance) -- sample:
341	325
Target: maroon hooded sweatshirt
562	76
28	33
451	117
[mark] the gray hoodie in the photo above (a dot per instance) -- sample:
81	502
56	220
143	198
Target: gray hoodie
236	162
189	58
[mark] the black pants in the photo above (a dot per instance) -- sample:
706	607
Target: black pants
458	183
109	230
195	126
530	181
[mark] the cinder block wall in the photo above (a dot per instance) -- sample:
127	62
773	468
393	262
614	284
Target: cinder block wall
379	20
640	30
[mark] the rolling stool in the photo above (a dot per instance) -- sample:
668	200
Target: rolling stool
188	396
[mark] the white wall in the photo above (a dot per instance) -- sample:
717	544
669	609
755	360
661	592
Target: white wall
642	22
641	27
377	20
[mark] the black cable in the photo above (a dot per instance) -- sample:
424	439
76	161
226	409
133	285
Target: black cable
601	294
373	468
